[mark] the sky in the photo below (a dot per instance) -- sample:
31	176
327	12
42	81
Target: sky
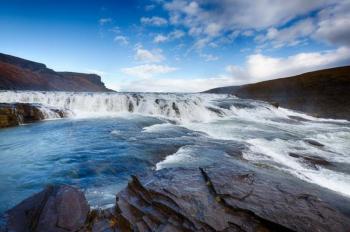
178	45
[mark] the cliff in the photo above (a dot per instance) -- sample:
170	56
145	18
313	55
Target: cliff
323	93
20	74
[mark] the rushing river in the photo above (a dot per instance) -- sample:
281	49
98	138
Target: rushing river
110	136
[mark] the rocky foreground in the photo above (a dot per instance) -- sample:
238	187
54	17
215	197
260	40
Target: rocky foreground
21	113
233	197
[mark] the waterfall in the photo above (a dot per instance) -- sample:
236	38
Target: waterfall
183	107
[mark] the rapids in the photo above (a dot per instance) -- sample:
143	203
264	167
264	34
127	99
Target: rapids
109	136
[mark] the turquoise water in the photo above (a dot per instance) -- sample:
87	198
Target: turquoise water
79	152
105	140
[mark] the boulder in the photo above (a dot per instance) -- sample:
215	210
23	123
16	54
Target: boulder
56	208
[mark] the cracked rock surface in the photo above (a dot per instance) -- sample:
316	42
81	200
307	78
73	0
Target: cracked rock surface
217	198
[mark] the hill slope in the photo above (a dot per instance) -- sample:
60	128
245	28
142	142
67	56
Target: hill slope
323	93
20	74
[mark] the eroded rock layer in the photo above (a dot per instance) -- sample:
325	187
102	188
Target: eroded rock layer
20	113
227	198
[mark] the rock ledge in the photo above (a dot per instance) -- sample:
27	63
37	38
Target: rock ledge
205	199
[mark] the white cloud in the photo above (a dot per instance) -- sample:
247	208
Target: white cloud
149	7
192	8
209	20
104	21
122	40
290	35
248	33
154	21
148	70
213	29
160	38
259	67
208	57
147	56
237	14
176	85
334	24
176	34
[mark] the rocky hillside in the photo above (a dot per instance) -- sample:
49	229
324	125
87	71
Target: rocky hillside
21	74
323	93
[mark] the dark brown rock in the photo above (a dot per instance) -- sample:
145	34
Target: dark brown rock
311	161
314	143
20	74
176	108
20	113
323	93
217	198
275	104
57	208
221	199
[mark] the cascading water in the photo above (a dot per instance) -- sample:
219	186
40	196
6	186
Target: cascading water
160	130
175	106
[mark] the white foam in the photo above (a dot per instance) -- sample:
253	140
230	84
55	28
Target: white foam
184	107
278	151
269	131
184	154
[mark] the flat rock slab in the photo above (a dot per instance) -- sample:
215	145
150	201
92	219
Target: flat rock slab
57	208
227	197
234	198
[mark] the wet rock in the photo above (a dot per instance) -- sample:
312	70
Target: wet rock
314	143
19	113
217	111
298	118
176	108
131	107
267	201
222	199
231	197
57	208
275	104
137	98
312	161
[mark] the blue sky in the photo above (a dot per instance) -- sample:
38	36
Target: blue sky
178	45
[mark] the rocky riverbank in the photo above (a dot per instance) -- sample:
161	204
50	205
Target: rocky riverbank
322	93
14	114
227	198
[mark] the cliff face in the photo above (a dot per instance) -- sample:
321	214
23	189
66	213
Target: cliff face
324	93
21	74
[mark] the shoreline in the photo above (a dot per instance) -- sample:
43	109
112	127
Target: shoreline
214	198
